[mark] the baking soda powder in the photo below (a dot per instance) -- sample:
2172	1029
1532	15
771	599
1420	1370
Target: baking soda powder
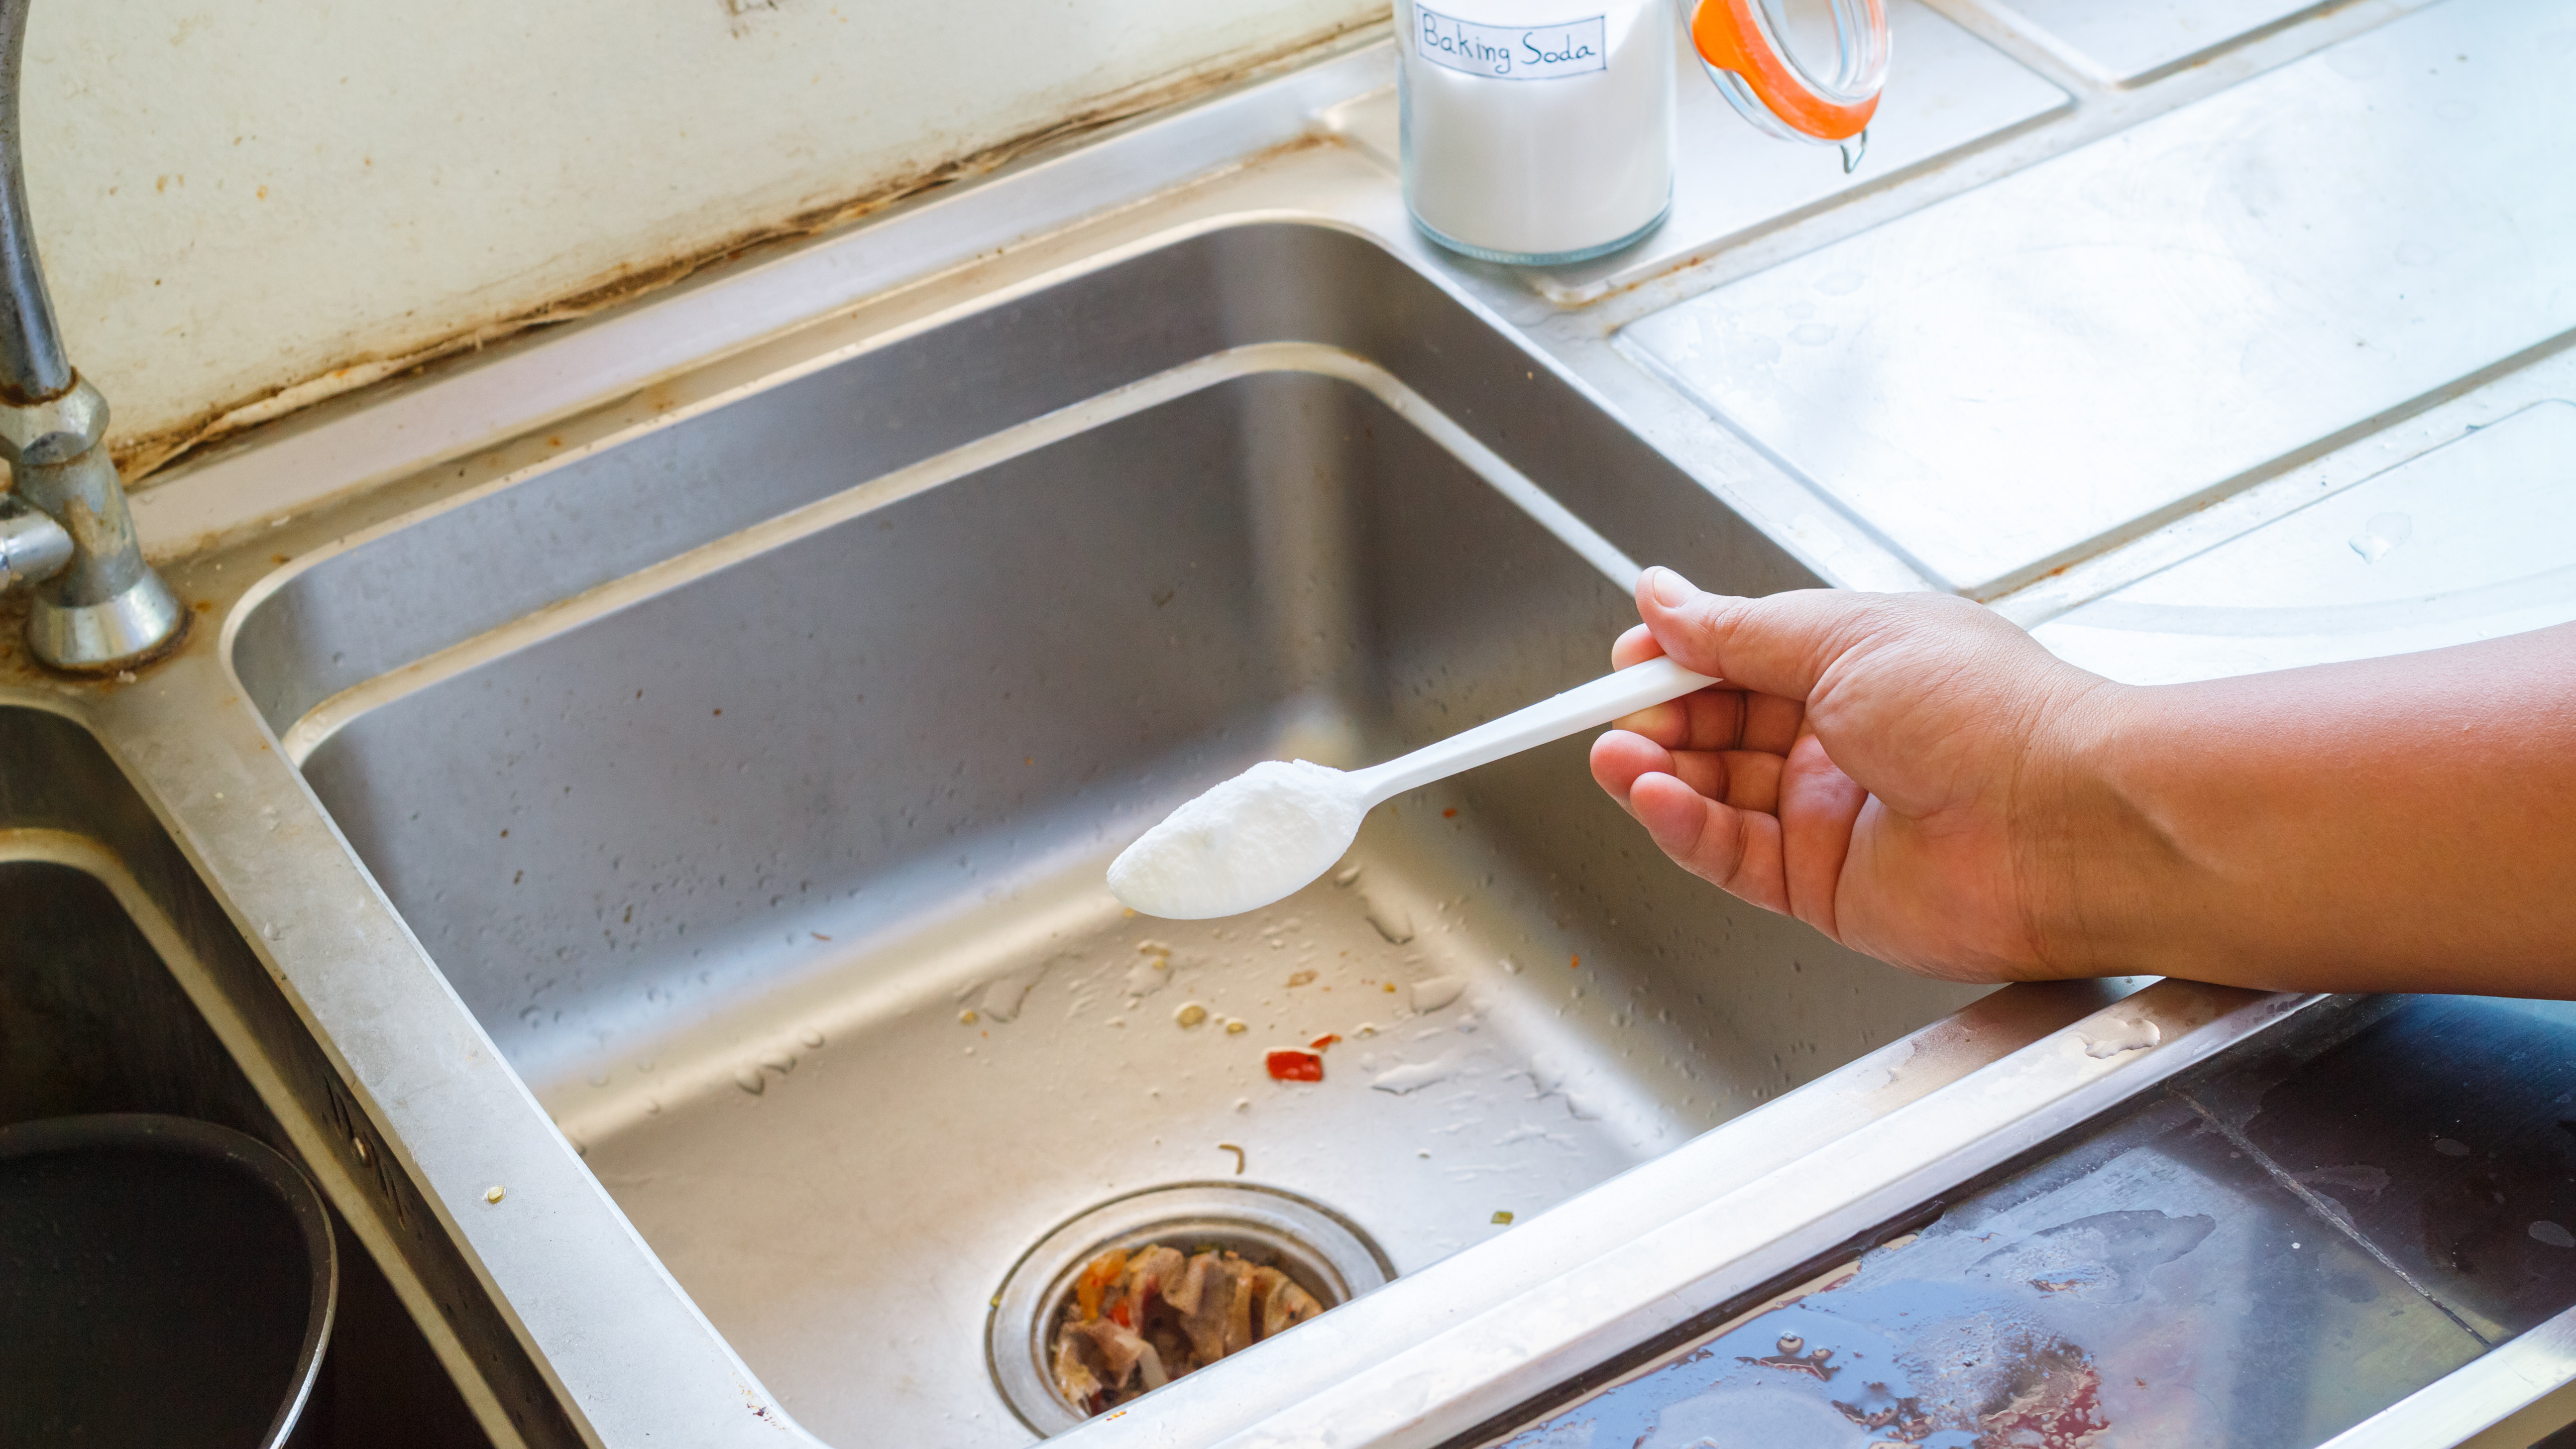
1255	839
1537	131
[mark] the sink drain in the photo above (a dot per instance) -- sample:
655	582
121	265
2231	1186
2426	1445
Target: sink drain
1318	1250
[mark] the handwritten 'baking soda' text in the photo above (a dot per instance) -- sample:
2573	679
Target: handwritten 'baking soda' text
1513	52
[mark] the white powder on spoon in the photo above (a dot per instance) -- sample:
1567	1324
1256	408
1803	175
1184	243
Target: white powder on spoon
1250	841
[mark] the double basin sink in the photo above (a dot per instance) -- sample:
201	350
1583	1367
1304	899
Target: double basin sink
743	774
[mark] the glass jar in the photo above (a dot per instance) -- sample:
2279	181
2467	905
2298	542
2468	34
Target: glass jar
1536	131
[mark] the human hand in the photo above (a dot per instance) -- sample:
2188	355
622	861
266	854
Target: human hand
1904	772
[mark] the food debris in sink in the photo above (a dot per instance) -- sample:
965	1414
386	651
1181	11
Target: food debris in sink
1294	1066
1139	1320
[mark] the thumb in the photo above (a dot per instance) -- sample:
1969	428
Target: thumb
1780	644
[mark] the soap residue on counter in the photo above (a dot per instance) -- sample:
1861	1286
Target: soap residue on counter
1250	841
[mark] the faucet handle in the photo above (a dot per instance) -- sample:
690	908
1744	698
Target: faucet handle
33	548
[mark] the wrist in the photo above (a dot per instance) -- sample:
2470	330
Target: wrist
2097	854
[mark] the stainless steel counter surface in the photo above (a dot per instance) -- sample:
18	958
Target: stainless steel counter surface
2021	376
2470	540
2127	44
404	591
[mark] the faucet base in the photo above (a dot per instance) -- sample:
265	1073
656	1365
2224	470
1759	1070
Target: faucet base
132	626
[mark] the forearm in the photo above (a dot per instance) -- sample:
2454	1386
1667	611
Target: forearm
2394	824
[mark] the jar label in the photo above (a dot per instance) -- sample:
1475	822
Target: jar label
1513	52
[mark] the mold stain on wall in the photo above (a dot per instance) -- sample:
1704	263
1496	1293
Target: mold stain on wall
246	209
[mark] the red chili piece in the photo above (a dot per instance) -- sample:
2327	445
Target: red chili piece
1321	1042
1295	1066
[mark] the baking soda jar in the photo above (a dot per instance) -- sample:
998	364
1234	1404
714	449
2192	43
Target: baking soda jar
1536	131
1541	131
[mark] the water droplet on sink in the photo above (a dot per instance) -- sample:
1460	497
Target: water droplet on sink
2382	535
811	1037
1411	1077
1435	992
749	1079
1392	921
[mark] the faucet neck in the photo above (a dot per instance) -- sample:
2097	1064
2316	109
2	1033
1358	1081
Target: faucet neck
33	367
99	607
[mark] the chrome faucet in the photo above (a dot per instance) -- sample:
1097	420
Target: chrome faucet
98	606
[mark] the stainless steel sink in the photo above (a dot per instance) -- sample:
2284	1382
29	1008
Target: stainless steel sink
124	988
701	728
750	773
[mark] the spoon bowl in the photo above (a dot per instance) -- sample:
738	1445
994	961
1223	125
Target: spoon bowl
1269	832
1262	835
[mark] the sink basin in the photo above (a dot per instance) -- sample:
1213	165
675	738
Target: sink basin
124	988
750	773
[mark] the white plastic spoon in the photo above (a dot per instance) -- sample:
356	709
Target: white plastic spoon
1266	833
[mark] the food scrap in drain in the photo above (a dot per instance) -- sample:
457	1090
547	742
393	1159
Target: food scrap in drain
1139	1320
1295	1066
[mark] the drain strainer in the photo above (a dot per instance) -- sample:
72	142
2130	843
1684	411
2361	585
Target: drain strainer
1318	1249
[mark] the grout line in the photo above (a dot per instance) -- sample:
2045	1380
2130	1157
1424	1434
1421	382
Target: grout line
2327	1209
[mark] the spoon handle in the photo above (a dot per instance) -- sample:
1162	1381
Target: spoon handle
1586	706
